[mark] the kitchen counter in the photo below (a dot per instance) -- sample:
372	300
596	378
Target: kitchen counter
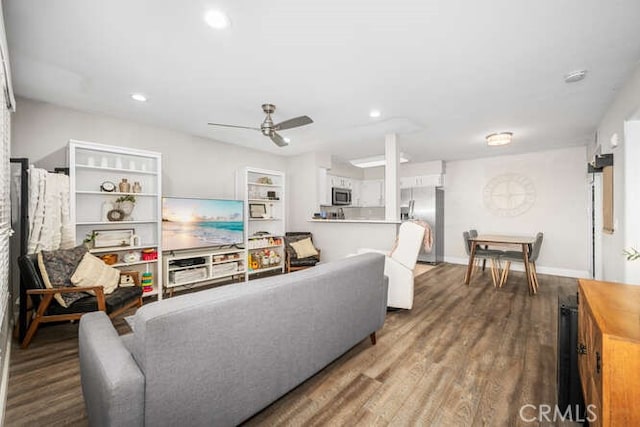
357	221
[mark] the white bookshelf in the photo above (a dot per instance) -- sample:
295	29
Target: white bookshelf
91	165
265	252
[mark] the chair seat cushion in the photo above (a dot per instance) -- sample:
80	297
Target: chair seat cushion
513	255
488	252
304	262
116	300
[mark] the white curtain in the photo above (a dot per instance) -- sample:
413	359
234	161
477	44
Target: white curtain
49	211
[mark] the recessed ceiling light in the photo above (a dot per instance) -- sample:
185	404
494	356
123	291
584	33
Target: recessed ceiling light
374	114
501	138
287	139
138	97
375	161
217	19
575	76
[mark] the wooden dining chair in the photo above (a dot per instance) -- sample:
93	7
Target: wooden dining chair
482	254
516	256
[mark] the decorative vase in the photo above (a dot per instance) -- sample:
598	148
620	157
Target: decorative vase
124	186
127	208
137	188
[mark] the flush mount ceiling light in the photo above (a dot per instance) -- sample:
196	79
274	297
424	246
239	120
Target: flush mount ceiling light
374	161
501	138
287	139
374	114
575	76
217	19
138	97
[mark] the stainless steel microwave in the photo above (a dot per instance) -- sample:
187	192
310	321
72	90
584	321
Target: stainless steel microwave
340	196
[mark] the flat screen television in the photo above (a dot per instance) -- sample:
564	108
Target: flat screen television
199	223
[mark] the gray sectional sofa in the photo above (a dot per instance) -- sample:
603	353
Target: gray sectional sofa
218	356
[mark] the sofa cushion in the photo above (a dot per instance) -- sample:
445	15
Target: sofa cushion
92	271
57	267
304	248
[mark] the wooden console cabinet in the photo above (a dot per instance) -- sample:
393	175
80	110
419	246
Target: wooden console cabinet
609	351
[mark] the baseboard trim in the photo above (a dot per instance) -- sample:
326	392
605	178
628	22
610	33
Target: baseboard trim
4	385
563	272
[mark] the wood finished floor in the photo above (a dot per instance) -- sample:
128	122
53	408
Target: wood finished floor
463	356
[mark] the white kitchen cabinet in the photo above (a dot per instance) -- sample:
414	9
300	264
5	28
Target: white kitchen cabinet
433	180
406	182
340	182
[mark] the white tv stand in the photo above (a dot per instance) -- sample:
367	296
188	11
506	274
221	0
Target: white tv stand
190	267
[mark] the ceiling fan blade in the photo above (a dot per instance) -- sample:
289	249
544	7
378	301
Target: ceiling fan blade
294	123
278	140
233	126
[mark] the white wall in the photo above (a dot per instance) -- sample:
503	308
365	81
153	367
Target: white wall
559	210
192	166
623	108
302	184
632	197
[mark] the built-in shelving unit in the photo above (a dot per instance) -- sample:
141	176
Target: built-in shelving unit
263	192
203	266
95	168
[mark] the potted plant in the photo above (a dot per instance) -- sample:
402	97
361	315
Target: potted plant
90	239
126	205
631	254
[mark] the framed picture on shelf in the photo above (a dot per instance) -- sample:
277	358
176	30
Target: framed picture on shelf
257	210
112	238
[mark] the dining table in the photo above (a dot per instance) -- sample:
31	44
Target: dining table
502	240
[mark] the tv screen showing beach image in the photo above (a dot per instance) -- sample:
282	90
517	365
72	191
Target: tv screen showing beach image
198	223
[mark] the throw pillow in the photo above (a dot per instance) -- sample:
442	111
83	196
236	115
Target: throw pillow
56	268
304	248
92	271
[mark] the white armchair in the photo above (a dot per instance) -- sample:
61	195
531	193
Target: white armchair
399	264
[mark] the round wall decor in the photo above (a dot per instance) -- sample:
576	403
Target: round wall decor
115	215
509	195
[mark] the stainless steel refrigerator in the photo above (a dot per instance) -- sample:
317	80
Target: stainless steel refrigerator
426	204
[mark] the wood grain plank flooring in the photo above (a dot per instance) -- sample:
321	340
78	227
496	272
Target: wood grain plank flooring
464	355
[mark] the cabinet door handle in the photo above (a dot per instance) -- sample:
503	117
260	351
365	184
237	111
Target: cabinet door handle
598	362
581	349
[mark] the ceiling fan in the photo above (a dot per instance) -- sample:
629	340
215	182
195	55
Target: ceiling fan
269	129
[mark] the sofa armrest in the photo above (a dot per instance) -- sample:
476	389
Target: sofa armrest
112	383
375	251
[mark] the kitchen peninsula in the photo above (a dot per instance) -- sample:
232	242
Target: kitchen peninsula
346	236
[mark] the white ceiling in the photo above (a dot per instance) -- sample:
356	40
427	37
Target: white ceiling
443	73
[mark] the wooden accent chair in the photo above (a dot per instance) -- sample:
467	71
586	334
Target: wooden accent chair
47	309
292	262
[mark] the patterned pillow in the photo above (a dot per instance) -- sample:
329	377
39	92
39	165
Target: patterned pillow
56	268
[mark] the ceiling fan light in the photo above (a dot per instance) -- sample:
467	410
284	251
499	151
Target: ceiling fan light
500	138
138	97
217	19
